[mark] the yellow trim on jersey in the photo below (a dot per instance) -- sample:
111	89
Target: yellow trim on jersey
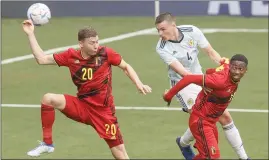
221	67
204	88
226	60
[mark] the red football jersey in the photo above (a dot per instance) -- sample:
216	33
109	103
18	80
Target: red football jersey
218	91
92	76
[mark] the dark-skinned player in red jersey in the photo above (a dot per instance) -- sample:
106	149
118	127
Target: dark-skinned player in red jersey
91	71
219	86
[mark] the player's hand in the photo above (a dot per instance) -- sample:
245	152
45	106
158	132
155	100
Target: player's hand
28	26
165	99
144	89
223	60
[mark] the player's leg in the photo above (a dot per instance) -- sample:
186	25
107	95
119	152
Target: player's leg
115	142
101	119
106	125
49	102
117	149
185	147
232	134
187	98
68	105
206	136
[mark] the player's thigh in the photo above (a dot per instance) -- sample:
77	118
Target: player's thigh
106	125
216	132
206	141
225	118
55	100
115	143
112	133
76	110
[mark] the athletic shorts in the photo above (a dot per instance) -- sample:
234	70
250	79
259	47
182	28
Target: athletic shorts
206	137
101	119
187	95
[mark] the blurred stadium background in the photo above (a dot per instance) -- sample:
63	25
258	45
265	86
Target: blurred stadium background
128	27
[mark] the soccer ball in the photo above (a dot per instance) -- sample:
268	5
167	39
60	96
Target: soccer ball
39	14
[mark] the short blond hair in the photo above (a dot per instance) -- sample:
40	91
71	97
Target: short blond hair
86	32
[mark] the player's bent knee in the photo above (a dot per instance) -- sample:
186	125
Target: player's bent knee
225	118
47	99
55	100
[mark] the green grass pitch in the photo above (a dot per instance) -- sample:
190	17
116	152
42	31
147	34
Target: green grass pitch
147	134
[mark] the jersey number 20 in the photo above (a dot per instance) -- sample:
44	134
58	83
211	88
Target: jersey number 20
87	74
111	129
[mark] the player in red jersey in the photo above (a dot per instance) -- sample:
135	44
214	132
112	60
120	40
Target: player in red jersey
91	71
219	86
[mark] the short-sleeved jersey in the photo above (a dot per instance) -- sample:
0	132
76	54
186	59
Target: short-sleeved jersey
92	76
218	91
185	51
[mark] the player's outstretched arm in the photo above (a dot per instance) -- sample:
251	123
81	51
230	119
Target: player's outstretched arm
38	53
172	62
130	72
186	80
205	45
179	68
212	54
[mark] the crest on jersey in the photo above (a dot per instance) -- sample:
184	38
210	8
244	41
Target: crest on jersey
213	150
190	102
191	43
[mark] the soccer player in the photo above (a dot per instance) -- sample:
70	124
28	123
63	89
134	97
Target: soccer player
219	87
178	48
91	71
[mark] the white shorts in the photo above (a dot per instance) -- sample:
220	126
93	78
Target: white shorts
187	95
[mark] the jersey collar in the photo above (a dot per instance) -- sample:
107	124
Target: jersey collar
180	39
91	56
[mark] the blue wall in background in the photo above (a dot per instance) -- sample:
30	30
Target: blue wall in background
13	9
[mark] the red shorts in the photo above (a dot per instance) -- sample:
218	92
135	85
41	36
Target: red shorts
206	136
100	118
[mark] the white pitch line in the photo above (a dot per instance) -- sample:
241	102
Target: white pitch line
129	35
139	108
232	30
224	30
103	41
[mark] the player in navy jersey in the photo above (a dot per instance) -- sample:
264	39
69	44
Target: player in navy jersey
91	71
219	87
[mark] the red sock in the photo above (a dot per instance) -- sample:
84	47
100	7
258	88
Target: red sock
47	118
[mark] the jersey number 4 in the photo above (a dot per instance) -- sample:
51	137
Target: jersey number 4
189	57
87	74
